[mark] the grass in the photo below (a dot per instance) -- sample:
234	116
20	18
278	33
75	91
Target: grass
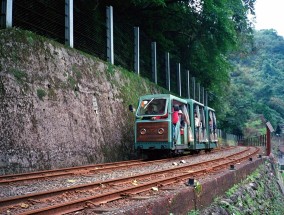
41	94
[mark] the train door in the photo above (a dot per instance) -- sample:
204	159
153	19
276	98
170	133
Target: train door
190	123
180	122
212	127
200	137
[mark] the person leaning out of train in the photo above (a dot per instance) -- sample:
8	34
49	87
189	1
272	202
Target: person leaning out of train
196	120
182	122
175	116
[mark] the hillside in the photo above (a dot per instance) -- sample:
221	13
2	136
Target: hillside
257	80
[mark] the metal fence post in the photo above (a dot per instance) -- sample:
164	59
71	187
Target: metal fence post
203	97
109	24
193	84
168	74
136	51
154	62
188	84
179	79
206	98
7	13
198	90
69	35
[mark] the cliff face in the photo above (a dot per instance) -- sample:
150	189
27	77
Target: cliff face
61	108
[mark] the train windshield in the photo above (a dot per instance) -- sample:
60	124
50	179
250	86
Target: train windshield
153	107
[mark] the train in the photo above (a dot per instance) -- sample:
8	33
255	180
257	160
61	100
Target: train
168	125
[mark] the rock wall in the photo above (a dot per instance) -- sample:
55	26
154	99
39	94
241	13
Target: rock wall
60	107
260	193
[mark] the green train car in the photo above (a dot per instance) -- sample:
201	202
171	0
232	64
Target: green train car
169	125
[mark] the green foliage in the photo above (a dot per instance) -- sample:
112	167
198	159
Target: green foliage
197	187
257	85
40	94
110	68
232	190
193	212
20	76
198	34
72	82
143	3
30	40
78	74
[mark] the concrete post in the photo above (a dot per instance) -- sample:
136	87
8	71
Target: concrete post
179	79
188	84
154	62
268	143
109	24
269	129
168	72
193	84
198	89
69	35
206	98
203	96
136	51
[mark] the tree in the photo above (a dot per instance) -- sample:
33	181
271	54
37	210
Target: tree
278	130
199	34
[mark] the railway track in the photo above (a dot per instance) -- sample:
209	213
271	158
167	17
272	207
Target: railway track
78	197
80	170
67	171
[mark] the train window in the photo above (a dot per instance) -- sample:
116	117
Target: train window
156	107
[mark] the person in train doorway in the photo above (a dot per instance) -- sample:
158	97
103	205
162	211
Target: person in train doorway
197	125
175	120
182	125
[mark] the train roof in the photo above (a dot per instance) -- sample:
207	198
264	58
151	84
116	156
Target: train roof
170	96
166	96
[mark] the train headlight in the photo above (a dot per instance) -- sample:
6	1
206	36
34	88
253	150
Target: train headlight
143	131
161	131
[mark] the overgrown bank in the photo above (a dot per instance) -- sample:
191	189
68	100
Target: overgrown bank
259	193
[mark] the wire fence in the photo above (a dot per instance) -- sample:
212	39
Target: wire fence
47	18
255	141
89	29
124	45
42	17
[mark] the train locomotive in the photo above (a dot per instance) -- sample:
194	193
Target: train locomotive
169	125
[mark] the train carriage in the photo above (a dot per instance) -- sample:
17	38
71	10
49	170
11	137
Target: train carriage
166	124
211	124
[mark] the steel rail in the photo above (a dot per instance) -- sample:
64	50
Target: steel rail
51	193
5	179
80	204
64	171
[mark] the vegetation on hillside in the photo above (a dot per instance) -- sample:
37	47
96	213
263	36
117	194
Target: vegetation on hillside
259	193
199	34
244	87
256	92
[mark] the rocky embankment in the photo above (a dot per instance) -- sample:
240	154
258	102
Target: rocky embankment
260	193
